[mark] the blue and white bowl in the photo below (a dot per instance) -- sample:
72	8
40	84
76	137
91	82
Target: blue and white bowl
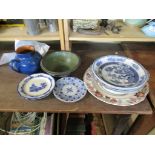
36	86
119	73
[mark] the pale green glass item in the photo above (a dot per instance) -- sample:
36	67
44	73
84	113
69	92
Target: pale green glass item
136	22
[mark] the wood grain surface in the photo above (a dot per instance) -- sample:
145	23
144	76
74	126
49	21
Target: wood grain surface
145	54
19	33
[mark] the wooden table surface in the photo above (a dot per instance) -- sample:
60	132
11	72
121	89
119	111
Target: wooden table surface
144	54
10	100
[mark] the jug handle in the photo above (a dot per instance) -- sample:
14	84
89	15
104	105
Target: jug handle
14	64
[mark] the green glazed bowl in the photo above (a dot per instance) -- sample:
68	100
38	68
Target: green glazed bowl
60	63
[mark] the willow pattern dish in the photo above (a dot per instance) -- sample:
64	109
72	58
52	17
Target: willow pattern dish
36	86
116	91
104	97
109	92
69	89
119	73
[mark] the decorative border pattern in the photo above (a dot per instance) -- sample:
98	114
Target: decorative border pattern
69	89
141	71
104	97
21	85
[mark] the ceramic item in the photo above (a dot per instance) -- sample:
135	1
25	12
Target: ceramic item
102	86
110	93
85	24
60	63
69	89
27	62
136	22
36	86
114	100
115	91
23	49
119	73
149	30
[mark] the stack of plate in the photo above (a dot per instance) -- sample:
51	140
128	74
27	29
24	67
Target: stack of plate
117	80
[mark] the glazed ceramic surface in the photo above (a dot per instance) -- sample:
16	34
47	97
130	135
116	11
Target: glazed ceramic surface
36	86
119	73
26	63
60	63
149	30
111	93
102	95
69	89
136	22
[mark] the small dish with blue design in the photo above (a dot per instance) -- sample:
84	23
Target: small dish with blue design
69	89
36	86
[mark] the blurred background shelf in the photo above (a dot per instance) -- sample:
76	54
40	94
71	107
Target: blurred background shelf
127	34
12	33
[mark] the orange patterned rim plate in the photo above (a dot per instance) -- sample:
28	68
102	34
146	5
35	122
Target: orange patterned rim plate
102	95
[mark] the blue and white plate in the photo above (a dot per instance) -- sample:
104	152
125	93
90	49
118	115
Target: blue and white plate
36	86
69	89
118	72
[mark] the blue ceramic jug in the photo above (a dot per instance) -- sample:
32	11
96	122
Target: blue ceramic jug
26	63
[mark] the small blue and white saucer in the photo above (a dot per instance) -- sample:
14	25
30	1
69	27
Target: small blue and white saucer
69	89
36	86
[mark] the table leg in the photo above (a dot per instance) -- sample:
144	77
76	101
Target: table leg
143	125
121	124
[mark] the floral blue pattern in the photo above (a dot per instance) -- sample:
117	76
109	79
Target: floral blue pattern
69	89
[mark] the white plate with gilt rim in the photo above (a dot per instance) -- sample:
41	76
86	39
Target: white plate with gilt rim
69	89
36	86
103	96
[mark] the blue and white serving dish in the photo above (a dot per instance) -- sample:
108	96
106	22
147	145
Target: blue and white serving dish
119	73
36	86
69	89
